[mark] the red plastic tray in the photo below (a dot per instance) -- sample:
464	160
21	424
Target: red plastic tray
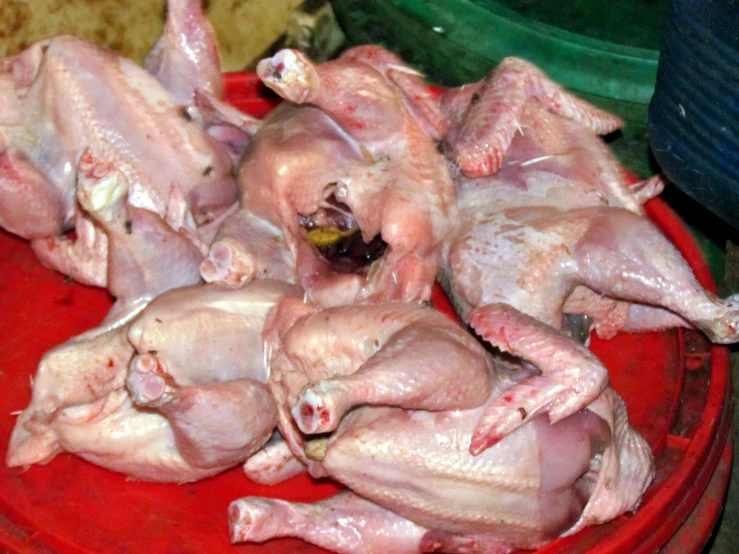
674	383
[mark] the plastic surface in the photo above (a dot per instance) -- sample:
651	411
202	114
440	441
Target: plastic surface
458	41
601	20
71	506
694	114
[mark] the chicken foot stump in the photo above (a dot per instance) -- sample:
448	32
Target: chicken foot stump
247	247
214	424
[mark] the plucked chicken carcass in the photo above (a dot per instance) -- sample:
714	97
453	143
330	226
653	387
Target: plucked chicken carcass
402	391
153	180
356	155
149	398
547	222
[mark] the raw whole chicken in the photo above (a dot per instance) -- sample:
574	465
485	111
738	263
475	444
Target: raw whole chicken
421	389
152	179
357	156
547	223
149	399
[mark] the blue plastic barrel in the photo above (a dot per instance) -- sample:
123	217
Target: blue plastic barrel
694	113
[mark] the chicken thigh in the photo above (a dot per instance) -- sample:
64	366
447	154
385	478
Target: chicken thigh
147	399
296	154
358	155
423	390
133	252
556	230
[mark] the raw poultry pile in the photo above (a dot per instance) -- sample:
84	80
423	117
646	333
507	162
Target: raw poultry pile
272	277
